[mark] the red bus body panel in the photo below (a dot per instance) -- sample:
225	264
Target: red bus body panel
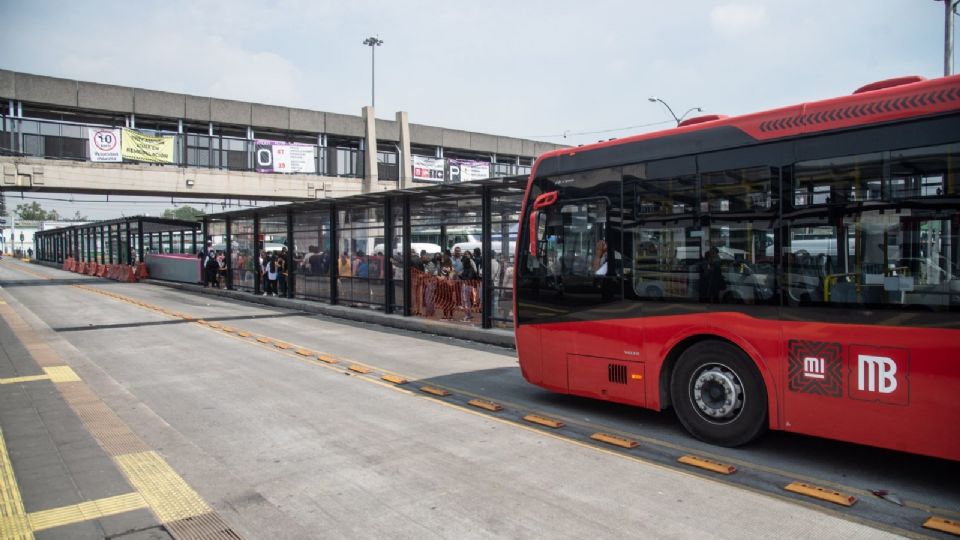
915	418
883	386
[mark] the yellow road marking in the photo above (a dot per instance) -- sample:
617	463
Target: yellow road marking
76	513
61	374
57	374
13	518
26	378
163	489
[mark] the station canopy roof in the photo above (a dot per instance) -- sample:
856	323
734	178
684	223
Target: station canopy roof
442	195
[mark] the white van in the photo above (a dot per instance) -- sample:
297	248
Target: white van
496	242
415	246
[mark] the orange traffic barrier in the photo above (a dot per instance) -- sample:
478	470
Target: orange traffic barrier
142	271
92	269
102	270
66	263
115	270
129	274
81	267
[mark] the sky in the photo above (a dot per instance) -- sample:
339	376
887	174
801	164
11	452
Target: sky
558	71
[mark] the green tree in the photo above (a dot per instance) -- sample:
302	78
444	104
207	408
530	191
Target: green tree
34	212
186	213
79	217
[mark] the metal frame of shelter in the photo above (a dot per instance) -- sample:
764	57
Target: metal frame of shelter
441	215
387	218
118	241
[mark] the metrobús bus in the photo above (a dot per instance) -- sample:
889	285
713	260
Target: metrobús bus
795	269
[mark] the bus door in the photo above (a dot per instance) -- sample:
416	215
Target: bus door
570	279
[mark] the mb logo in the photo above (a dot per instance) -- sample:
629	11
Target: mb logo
879	374
876	374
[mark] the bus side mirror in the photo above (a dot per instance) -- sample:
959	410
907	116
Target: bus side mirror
543	200
534	220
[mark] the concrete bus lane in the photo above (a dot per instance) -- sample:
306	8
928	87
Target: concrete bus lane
277	442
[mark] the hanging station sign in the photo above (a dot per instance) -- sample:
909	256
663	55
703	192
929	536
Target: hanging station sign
282	157
137	146
427	169
104	144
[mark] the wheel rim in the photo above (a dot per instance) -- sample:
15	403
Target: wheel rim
717	393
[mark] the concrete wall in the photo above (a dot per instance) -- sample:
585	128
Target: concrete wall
154	103
104	97
227	111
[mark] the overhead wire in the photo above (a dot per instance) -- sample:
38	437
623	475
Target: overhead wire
568	133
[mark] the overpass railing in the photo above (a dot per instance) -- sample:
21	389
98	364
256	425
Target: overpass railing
72	141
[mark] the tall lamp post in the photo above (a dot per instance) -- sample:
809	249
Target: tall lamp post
950	9
373	42
682	116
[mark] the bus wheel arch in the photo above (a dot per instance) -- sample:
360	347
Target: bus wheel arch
716	390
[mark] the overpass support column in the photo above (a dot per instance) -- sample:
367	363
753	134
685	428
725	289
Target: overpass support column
370	174
406	167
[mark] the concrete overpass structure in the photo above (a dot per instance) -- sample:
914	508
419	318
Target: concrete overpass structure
45	126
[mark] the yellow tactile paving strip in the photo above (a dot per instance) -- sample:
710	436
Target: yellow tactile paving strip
56	374
177	506
77	513
61	374
113	435
26	378
13	518
163	489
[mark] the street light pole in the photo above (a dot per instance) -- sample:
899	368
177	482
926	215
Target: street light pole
373	42
949	9
682	116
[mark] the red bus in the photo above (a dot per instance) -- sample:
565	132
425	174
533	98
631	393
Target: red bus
795	269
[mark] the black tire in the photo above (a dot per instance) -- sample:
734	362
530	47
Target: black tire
729	407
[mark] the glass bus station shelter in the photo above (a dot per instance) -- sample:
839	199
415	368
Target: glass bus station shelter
119	241
380	250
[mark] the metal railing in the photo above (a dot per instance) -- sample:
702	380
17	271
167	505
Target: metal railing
69	141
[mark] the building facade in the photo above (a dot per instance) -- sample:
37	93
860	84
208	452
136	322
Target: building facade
84	137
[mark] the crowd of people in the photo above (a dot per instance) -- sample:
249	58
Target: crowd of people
449	284
271	267
446	285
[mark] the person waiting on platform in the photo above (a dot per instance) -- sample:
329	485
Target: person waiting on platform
272	274
211	269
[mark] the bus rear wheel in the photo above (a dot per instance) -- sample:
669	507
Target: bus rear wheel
718	394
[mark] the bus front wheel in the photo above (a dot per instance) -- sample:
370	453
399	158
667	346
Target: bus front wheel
718	394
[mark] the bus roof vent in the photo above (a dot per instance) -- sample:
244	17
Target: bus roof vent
889	83
702	119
